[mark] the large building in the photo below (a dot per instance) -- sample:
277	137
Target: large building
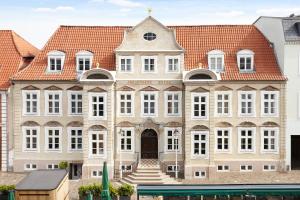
15	55
115	93
284	34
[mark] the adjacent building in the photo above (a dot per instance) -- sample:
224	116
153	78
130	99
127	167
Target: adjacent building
284	34
124	94
15	55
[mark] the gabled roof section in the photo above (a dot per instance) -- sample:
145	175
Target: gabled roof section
15	54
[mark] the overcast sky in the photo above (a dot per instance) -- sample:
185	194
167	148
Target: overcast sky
36	20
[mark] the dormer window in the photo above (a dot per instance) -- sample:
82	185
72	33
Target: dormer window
245	59
149	36
216	60
55	61
84	61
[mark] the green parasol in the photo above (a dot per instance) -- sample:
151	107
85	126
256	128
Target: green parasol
105	184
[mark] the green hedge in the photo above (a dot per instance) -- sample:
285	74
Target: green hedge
6	188
96	190
126	190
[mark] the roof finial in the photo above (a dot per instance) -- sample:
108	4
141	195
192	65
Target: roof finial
149	11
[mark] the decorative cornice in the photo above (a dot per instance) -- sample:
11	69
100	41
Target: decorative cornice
246	88
75	88
173	124
75	124
247	124
125	124
200	89
97	128
149	88
270	124
53	124
52	87
126	88
97	89
173	88
223	124
30	87
30	123
270	88
200	128
222	88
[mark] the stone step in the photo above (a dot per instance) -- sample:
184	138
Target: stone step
133	177
147	174
148	170
134	181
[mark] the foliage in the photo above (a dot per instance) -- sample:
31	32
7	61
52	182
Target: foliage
96	190
113	190
126	190
7	188
63	165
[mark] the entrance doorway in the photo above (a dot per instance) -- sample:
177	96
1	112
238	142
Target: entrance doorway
295	152
149	144
75	171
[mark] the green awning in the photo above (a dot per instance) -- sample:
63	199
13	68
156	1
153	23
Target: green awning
220	190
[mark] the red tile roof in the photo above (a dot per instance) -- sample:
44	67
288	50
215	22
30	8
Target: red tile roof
196	40
15	54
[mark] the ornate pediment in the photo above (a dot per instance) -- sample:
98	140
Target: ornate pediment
149	124
75	88
126	88
53	124
247	124
75	124
149	88
97	128
200	128
222	88
173	88
52	87
200	89
30	123
125	124
270	88
223	124
30	87
247	88
97	89
270	124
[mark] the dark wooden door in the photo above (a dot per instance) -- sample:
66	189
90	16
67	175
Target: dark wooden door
295	152
149	144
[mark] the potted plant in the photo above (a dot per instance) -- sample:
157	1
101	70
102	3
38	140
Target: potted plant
95	189
4	190
113	192
125	191
63	165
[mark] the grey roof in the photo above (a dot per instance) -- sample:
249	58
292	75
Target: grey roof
289	28
42	180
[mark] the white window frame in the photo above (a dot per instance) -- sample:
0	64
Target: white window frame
173	168
244	54
55	55
229	93
206	95
247	168
229	150
216	54
31	92
84	55
24	129
269	168
253	114
173	150
179	104
97	171
119	103
196	156
69	129
54	92
126	58
47	136
143	64
276	102
70	93
98	94
270	151
253	150
155	102
91	155
30	167
167	58
52	166
125	129
200	174
223	168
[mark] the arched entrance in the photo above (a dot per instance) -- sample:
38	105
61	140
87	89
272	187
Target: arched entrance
149	144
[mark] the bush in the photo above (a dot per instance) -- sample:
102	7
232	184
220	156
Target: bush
126	190
6	188
113	190
96	190
63	165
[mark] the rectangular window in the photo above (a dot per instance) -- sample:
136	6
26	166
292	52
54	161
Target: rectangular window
200	174
53	139
126	100
127	168
149	103
269	168
223	104
200	143
126	140
173	103
97	106
269	104
149	64
246	139
223	143
126	64
75	103
55	64
83	63
247	104
172	63
246	168
96	174
53	102
31	102
269	140
245	63
200	105
172	168
173	142
216	63
75	138
30	167
97	143
223	168
52	166
31	139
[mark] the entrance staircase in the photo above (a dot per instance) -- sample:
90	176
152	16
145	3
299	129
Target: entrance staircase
148	172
